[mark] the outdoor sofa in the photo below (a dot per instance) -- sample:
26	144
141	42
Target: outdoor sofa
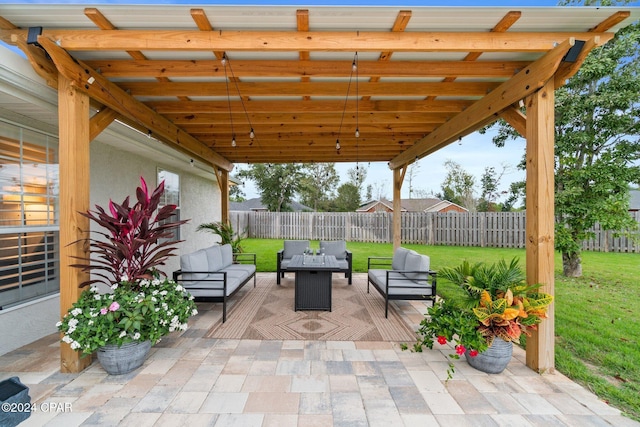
216	273
405	276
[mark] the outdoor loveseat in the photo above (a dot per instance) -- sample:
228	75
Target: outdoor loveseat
405	276
216	274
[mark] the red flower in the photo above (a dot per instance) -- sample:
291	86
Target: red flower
473	353
442	340
460	349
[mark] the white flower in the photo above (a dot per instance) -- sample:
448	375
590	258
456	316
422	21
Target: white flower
155	292
58	324
163	293
156	282
194	312
94	289
67	339
73	322
76	311
122	334
97	297
157	309
75	345
90	322
114	286
179	288
136	336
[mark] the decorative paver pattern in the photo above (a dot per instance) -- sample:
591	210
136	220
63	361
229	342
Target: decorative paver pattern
194	381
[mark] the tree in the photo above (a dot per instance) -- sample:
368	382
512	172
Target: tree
489	183
357	177
457	186
411	176
317	184
236	194
348	199
597	135
277	183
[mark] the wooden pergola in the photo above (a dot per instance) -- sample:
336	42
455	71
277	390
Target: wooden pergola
196	79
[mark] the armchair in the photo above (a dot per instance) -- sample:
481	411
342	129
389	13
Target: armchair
284	255
338	248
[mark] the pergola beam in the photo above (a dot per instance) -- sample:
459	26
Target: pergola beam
398	106
345	41
337	89
124	68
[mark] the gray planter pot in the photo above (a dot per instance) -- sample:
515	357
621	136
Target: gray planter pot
493	360
124	359
16	395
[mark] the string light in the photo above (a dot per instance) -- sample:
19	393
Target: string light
226	81
354	67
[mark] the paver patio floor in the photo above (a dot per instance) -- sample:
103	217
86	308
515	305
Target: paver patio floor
194	381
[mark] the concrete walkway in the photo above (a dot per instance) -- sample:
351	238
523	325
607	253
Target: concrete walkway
192	381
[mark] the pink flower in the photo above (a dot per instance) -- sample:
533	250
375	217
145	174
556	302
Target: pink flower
103	311
442	340
114	306
473	353
460	349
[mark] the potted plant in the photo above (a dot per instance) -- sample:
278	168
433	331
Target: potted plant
498	307
141	305
226	233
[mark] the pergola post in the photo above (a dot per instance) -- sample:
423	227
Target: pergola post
74	131
398	177
223	177
540	218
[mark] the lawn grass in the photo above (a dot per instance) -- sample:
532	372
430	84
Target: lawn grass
597	325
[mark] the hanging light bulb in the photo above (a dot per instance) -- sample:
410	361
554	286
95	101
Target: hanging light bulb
224	60
252	134
354	67
337	144
357	133
233	141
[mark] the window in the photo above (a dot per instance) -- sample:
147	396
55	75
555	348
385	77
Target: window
171	196
29	230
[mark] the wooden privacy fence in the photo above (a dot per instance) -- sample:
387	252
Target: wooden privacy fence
483	229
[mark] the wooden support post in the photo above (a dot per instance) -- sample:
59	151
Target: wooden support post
398	178
223	178
73	121
540	218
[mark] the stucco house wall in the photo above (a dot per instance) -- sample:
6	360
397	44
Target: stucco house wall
119	157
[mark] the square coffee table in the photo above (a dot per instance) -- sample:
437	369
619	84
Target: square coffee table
313	281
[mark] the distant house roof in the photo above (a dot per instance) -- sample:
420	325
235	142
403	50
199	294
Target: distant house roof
411	205
256	204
